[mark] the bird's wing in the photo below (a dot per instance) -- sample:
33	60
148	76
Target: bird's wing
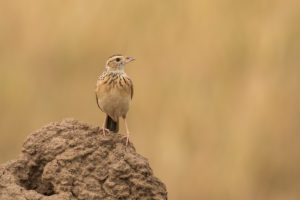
131	90
131	87
96	91
98	102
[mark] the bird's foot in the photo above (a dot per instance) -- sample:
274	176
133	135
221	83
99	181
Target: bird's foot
104	130
127	138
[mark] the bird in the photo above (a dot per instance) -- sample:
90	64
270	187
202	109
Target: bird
114	92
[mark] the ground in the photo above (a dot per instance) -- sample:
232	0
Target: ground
73	160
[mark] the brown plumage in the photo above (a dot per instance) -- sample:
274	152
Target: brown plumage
114	91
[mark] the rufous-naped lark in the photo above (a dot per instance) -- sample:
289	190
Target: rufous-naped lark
114	91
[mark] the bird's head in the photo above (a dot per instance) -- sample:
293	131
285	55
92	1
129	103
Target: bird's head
118	62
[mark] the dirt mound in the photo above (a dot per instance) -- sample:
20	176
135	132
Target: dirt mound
73	160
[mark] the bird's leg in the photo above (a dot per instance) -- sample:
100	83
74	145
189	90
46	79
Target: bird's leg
127	131
103	129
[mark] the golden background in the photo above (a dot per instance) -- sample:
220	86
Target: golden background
216	105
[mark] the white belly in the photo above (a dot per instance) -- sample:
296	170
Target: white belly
115	103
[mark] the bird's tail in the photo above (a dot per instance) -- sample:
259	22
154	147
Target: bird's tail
112	125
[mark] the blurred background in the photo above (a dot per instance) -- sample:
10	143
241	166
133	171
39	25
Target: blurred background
217	90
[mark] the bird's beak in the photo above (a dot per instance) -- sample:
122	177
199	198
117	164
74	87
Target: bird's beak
129	59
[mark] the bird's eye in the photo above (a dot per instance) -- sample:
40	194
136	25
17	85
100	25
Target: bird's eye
118	59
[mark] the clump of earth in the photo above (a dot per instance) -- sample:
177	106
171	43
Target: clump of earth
74	160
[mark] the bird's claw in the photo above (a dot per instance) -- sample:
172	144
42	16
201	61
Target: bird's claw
127	139
104	130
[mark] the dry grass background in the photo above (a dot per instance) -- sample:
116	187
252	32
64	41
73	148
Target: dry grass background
216	106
